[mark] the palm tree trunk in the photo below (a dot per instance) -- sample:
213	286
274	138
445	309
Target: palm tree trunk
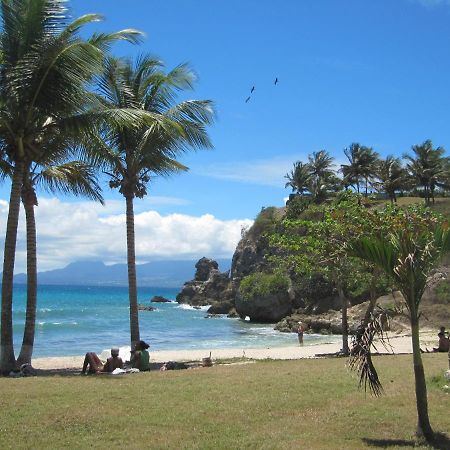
345	349
7	358
372	301
423	423
131	261
26	351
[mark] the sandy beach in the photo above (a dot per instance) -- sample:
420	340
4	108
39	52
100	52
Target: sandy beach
399	343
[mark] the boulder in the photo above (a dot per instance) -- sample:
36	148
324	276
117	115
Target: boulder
269	308
142	307
159	299
221	307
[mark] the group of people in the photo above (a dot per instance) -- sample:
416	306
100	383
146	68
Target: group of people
140	359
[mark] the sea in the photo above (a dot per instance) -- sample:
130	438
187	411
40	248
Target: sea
72	320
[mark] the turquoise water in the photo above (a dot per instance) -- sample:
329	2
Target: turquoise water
72	320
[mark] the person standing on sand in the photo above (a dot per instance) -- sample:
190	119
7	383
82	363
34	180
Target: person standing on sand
96	366
300	332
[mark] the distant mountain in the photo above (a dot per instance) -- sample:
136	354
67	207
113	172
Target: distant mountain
89	273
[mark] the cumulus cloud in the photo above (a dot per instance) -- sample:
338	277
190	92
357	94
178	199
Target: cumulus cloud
69	232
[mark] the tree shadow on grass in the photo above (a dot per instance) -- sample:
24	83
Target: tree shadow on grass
441	442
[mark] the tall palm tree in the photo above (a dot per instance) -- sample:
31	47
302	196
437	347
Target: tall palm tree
137	154
427	167
299	178
391	177
46	68
73	177
407	257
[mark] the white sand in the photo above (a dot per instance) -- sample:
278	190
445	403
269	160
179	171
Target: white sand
399	343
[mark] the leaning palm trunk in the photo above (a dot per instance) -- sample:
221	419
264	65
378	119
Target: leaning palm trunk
26	351
132	284
7	358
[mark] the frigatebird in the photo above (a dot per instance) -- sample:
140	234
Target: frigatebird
247	99
276	81
253	88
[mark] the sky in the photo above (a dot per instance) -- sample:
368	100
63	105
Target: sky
374	72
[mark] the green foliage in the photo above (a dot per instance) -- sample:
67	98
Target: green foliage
296	206
260	284
265	222
442	292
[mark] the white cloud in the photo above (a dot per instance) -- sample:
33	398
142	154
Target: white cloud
69	232
266	172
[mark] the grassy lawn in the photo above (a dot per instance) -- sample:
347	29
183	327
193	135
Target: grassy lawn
307	404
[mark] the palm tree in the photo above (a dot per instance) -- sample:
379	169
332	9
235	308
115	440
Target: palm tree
426	167
135	154
299	178
391	177
368	164
322	176
45	71
407	257
353	172
73	177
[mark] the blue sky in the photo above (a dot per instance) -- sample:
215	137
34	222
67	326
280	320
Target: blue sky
374	72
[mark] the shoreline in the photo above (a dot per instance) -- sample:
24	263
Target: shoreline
401	344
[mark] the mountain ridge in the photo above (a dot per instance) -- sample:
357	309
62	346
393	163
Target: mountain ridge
163	273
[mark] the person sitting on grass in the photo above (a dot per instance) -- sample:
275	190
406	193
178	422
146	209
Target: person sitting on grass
92	361
140	358
444	343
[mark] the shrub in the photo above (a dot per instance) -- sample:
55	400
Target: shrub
296	206
442	292
260	284
265	222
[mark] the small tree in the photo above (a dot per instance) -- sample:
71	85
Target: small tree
407	256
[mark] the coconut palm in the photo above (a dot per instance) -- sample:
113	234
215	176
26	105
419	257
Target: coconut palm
135	155
299	178
73	177
391	177
46	68
407	257
353	171
368	165
426	167
322	176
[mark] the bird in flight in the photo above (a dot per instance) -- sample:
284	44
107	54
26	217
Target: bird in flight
253	88
276	81
247	99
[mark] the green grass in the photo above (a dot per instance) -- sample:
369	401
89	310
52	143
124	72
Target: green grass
313	404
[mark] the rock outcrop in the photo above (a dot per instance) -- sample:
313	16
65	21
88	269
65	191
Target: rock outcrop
268	308
142	307
159	299
209	287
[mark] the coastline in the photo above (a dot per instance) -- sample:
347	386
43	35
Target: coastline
401	344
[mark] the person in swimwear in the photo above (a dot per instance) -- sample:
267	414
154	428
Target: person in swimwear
92	361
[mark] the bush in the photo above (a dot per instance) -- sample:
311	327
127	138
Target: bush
265	222
296	206
260	284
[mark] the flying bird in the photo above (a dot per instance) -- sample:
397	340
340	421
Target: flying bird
247	99
253	88
276	81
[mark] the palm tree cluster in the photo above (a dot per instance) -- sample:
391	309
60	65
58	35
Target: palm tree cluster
70	111
424	172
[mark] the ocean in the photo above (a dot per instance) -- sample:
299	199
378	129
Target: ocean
72	320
